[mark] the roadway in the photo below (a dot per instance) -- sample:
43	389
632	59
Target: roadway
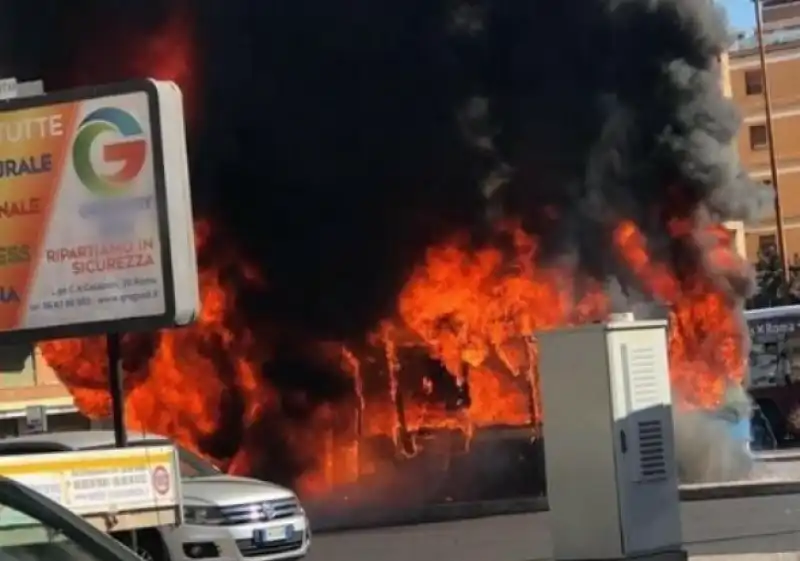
714	527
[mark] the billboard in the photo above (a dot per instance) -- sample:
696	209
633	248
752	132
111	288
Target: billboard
95	213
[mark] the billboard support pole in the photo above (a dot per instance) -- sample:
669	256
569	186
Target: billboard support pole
116	389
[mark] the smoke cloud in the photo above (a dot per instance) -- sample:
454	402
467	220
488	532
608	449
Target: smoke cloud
337	140
343	138
706	452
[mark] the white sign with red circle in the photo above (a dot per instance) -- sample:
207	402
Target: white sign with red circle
161	482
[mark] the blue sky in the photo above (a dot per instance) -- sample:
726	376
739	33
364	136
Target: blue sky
740	13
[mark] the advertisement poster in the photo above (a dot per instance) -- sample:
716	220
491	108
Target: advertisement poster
80	232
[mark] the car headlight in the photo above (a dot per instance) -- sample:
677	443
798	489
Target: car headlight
202	516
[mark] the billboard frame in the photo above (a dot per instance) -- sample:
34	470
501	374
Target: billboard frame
137	324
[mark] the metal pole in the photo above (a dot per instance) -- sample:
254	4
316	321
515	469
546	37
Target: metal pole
116	389
773	163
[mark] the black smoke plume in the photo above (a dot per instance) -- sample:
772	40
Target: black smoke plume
337	139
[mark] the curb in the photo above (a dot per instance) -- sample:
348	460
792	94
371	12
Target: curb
791	455
775	556
744	489
327	519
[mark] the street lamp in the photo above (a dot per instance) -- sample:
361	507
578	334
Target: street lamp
773	163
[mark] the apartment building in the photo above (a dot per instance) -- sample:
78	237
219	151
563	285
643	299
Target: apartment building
735	228
782	39
27	381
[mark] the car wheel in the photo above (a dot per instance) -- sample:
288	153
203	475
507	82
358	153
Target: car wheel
149	547
144	554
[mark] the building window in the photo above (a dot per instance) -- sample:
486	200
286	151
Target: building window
753	82
68	422
767	243
9	428
758	137
731	237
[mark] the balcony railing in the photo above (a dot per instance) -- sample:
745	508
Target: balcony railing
771	39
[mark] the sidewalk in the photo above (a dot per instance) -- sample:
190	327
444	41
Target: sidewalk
763	528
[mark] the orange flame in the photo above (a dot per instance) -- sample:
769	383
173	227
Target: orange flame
180	390
167	52
473	311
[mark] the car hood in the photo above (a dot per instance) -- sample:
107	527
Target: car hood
228	490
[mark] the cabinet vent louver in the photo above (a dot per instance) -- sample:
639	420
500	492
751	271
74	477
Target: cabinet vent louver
652	464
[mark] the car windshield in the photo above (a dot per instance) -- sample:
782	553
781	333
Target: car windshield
192	465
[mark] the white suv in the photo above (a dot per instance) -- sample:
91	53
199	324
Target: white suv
225	517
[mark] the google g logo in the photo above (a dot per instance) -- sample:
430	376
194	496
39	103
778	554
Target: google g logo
130	150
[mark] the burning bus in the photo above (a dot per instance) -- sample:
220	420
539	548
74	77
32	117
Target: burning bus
372	264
